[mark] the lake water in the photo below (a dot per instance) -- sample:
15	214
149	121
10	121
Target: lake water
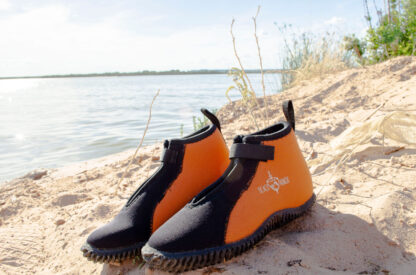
53	122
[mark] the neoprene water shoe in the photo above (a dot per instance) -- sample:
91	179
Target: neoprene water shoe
266	185
188	165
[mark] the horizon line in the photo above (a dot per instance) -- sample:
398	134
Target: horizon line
144	73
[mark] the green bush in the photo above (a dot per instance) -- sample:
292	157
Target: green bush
394	33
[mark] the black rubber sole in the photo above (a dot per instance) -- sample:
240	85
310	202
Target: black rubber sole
111	255
184	261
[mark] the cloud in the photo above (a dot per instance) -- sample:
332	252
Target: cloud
4	5
47	40
334	21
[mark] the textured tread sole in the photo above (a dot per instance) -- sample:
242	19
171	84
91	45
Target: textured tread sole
111	256
185	261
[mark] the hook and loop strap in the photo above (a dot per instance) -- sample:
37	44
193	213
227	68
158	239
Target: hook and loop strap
252	151
289	112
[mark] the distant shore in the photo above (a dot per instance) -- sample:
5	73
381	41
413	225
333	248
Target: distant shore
142	73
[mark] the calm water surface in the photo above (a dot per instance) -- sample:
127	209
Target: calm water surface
53	122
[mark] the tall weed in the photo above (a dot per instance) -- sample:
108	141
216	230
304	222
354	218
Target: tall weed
306	55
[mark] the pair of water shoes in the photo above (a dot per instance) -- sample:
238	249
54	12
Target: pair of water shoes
206	204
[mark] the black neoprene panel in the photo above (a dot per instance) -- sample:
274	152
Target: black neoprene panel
131	225
134	222
206	219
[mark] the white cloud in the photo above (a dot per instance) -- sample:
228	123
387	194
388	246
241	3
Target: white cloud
334	21
4	5
45	41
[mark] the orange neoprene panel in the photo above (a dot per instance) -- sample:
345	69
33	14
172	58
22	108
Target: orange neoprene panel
204	162
260	201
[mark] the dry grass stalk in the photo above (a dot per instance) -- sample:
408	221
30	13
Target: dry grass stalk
323	60
244	73
140	144
307	56
261	64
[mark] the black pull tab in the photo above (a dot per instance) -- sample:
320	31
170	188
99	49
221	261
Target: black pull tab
289	112
212	118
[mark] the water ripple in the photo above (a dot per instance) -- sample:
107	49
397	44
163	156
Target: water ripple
53	122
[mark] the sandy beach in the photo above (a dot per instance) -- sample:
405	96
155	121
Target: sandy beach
364	220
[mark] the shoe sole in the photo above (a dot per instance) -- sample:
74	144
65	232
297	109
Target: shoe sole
111	255
185	261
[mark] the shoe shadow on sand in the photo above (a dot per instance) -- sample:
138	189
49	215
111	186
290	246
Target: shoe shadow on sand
320	242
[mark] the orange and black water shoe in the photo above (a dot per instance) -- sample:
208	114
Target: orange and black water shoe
188	165
266	185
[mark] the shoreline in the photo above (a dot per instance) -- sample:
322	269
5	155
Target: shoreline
144	73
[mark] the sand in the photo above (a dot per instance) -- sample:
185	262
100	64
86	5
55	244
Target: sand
364	220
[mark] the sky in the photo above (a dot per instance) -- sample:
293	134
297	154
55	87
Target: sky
40	37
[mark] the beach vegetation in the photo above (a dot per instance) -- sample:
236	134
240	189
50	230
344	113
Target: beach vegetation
391	33
306	55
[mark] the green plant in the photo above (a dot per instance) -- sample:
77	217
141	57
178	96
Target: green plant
355	45
240	84
181	130
393	33
248	96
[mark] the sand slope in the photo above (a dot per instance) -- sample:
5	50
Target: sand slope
364	220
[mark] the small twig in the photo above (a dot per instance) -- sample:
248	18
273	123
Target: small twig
394	150
140	144
375	111
261	65
379	13
368	14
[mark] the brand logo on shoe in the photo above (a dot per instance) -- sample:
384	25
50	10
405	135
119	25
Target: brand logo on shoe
273	183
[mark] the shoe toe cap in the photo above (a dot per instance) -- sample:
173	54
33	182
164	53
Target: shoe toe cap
116	234
189	229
